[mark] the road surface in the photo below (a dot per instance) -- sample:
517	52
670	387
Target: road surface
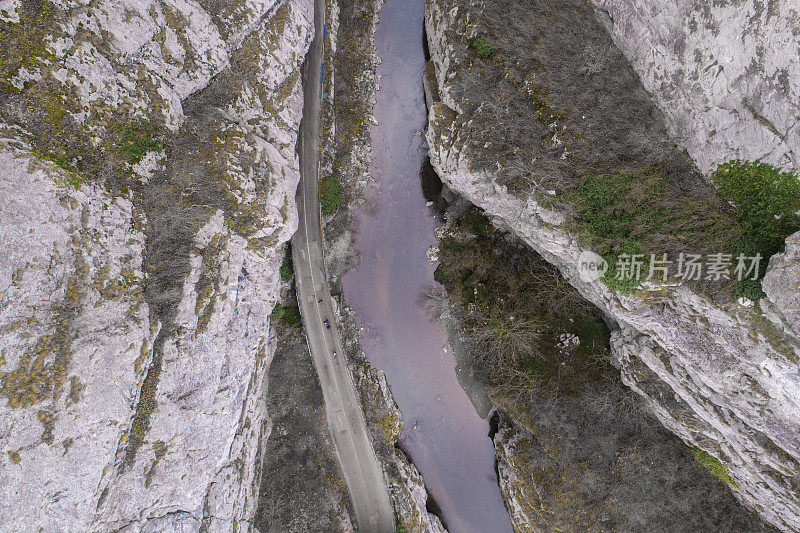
345	419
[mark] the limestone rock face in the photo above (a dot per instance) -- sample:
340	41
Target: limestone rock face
721	376
148	178
782	283
75	339
725	73
411	508
511	485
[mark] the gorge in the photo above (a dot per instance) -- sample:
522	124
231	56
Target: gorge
153	370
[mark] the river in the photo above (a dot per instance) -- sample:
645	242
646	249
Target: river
447	440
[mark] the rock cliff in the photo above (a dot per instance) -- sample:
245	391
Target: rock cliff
148	177
725	73
551	100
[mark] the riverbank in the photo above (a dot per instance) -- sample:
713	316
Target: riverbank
349	89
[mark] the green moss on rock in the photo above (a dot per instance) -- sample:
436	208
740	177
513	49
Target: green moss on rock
714	466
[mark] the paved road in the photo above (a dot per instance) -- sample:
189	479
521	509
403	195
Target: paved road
345	419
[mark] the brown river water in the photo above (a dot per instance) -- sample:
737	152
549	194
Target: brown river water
446	438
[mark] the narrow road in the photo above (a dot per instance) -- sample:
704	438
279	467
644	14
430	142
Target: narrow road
345	419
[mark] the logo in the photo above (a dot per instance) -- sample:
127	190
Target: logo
591	266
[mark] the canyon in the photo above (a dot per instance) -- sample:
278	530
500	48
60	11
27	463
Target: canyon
151	377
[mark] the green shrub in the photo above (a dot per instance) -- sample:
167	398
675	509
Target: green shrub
616	278
288	315
287	270
481	46
138	138
330	195
639	213
766	202
715	466
750	288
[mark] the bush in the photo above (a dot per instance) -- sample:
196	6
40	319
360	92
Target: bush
620	281
288	315
287	270
475	222
766	202
640	214
137	139
481	46
330	195
715	466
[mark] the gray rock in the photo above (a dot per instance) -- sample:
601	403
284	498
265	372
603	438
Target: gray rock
725	73
77	333
781	284
75	338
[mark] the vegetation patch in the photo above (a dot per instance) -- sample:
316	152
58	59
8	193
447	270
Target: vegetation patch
287	270
147	404
766	203
138	138
289	315
330	194
298	448
638	213
481	46
349	66
523	318
42	369
49	108
22	44
475	222
72	178
715	466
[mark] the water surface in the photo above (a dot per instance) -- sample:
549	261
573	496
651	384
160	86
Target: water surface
443	434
